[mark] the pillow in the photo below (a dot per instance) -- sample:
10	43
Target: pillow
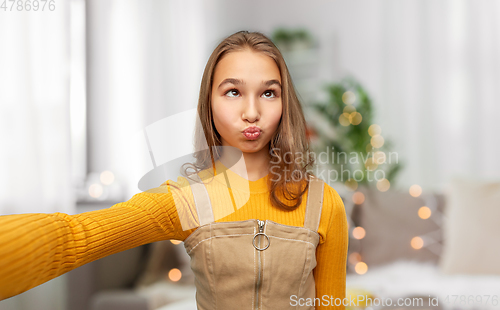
390	220
472	229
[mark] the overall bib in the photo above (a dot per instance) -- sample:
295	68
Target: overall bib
254	264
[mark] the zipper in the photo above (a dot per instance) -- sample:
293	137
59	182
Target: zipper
259	260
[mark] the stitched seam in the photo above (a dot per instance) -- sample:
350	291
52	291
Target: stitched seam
309	271
219	223
202	190
294	227
213	223
218	237
292	240
254	274
304	278
320	205
213	275
263	273
263	268
307	203
196	203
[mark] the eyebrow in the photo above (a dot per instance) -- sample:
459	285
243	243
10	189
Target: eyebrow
240	82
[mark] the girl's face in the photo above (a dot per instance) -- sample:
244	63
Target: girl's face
246	92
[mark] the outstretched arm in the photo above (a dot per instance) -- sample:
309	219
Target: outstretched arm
37	247
331	255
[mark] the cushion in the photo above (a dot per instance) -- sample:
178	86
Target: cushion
391	220
472	229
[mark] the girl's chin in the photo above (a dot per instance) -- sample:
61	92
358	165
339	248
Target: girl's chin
250	147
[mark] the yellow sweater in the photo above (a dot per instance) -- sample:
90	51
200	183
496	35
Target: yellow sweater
37	247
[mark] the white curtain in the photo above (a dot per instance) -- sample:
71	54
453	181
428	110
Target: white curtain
432	70
35	170
440	88
146	62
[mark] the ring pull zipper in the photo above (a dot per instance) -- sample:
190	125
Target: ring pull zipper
261	232
259	255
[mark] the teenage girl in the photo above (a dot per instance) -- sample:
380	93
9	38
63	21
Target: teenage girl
278	242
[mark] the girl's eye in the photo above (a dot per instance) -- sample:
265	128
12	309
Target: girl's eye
267	94
269	91
232	91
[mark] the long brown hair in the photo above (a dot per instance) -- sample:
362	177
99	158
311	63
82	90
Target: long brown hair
289	146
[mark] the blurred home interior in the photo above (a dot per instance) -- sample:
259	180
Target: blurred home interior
412	86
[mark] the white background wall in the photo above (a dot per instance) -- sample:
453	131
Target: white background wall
429	66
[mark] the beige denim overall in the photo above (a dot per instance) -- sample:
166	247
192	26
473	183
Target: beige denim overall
253	264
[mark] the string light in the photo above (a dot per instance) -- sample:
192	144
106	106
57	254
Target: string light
355	118
383	185
344	119
374	130
358	233
415	190
107	177
377	141
370	164
354	258
348	97
358	198
95	190
417	243
424	212
174	275
351	184
361	268
349	109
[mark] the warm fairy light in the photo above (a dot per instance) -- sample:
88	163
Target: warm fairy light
349	109
95	190
348	97
383	185
358	233
355	118
175	241
344	119
415	190
174	274
417	243
374	130
361	268
358	198
107	177
354	258
351	184
379	157
377	141
370	164
424	212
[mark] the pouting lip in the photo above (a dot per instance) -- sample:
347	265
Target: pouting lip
252	129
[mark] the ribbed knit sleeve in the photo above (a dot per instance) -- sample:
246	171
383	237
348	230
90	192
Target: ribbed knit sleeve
331	254
36	247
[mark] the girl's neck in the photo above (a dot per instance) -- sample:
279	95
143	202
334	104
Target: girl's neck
251	166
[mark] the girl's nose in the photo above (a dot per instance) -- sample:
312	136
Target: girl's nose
251	110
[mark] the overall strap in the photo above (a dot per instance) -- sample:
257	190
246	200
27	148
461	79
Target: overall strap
314	203
201	200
